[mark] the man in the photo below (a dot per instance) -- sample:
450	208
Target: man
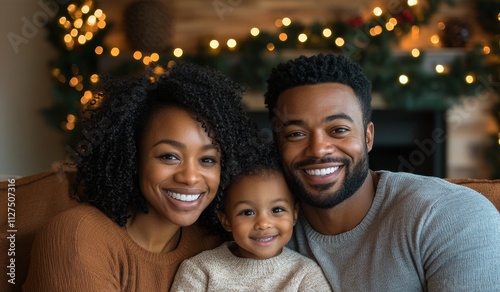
371	230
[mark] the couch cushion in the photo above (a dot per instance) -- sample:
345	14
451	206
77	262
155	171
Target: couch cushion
489	188
37	198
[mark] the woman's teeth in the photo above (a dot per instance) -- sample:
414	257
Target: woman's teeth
183	197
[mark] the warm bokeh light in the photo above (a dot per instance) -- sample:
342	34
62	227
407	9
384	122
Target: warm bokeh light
85	9
254	31
214	44
339	42
377	11
73	81
286	21
403	79
469	79
439	68
302	37
115	52
82	40
231	43
415	53
412	2
155	57
270	47
178	52
94	78
435	39
441	25
486	50
98	13
146	60
327	32
278	23
137	55
283	36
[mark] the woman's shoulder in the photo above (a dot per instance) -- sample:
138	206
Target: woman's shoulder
80	224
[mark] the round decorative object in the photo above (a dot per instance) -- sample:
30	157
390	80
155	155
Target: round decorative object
148	25
456	33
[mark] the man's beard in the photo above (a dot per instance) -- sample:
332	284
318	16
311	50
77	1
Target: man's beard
353	180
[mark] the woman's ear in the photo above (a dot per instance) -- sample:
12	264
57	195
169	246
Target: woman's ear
224	221
295	213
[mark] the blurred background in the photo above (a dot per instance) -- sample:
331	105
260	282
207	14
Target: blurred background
434	66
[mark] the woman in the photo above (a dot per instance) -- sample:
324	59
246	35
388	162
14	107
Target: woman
155	154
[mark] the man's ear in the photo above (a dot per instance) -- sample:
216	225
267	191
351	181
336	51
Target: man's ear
370	133
295	213
224	221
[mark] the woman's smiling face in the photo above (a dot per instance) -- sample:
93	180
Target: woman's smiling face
179	167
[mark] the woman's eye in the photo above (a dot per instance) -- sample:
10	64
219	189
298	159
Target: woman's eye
168	156
209	160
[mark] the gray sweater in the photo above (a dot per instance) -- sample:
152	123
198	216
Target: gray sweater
220	270
420	234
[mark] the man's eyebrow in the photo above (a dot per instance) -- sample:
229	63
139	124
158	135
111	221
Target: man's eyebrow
325	119
341	116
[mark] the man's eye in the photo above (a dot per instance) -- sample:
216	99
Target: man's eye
339	130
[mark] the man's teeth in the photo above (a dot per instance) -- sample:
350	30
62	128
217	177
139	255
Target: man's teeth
183	197
323	171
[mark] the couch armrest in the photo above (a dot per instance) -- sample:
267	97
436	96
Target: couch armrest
33	201
489	188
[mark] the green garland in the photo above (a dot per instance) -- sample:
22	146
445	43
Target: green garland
251	62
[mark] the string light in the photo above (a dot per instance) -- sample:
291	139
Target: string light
254	31
214	44
231	44
178	52
403	79
81	24
415	53
327	32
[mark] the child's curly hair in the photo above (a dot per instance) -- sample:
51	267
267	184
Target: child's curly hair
114	123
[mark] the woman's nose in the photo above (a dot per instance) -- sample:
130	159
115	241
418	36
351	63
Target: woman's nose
188	173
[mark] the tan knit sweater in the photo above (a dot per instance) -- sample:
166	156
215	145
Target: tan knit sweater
220	270
83	250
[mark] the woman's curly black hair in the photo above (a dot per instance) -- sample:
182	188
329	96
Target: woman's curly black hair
116	118
316	69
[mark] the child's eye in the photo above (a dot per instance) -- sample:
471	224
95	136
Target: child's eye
278	210
247	212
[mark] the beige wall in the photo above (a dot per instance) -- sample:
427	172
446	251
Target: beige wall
27	144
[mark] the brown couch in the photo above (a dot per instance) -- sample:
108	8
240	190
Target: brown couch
39	197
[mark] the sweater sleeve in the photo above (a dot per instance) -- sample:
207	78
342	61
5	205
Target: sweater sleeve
314	280
189	277
460	243
63	259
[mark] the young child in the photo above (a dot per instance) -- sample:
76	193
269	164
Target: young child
259	211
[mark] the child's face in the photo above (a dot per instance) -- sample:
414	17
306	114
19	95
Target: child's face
260	211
